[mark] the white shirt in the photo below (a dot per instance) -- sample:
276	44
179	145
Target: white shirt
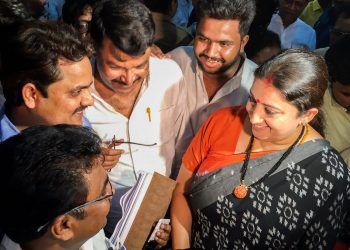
296	35
234	92
98	242
161	95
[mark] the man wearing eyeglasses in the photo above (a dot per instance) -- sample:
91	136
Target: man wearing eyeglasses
56	195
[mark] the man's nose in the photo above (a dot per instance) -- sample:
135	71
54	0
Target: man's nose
212	49
87	99
128	77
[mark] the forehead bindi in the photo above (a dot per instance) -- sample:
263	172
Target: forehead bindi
264	91
267	81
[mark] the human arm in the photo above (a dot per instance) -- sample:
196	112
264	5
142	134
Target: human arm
180	212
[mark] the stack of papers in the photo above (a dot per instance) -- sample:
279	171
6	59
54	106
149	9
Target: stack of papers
142	206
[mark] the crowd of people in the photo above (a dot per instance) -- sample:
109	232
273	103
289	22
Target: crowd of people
245	103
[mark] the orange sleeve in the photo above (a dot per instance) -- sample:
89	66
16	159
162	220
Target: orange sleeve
208	134
198	148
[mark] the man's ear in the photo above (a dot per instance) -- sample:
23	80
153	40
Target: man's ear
244	42
63	228
30	95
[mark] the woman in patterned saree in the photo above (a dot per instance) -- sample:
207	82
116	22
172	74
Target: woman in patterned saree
263	177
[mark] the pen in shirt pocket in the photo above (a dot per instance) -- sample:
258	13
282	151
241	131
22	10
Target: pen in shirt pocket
148	111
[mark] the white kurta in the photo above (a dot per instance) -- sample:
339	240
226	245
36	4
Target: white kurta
296	35
161	95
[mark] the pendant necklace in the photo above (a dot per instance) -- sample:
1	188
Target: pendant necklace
241	190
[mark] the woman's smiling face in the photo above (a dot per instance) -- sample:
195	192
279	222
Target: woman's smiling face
273	118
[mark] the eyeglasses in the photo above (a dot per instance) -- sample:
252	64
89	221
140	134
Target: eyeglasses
98	199
114	141
83	26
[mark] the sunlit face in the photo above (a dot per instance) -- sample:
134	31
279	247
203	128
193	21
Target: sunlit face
341	94
67	98
121	72
96	213
272	117
218	44
290	10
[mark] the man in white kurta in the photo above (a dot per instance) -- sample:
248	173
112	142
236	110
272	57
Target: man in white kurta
293	32
137	98
296	35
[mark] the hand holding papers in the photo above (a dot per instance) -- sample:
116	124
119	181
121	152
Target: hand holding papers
144	204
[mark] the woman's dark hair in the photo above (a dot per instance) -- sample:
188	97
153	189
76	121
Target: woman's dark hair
128	23
43	176
30	52
241	10
302	77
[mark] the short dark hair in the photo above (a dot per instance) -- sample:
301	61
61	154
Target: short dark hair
12	11
31	53
35	7
128	23
266	40
42	176
241	10
338	61
302	78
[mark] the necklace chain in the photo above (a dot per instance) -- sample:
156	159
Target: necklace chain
243	188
